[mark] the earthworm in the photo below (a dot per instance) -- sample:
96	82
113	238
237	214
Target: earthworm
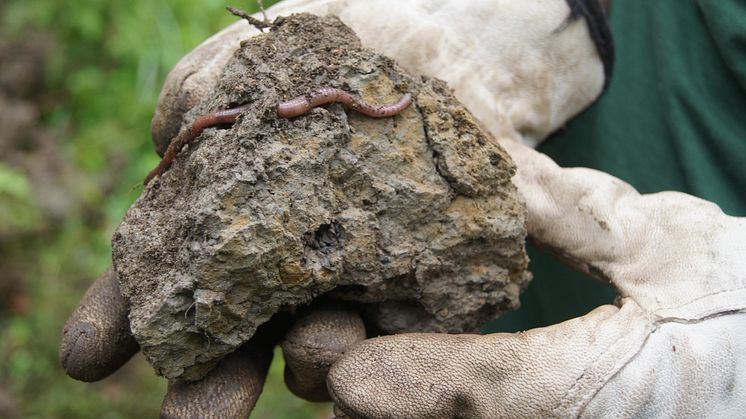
302	104
289	109
186	136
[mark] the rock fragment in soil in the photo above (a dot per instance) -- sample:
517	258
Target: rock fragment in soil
412	218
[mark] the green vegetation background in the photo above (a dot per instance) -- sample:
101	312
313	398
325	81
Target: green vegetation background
105	65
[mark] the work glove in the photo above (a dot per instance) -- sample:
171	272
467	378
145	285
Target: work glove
671	346
96	341
523	69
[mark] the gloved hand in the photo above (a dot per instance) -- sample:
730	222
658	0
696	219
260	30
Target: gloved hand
672	346
96	341
524	69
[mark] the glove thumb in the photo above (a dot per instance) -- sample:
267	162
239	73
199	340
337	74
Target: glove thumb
551	371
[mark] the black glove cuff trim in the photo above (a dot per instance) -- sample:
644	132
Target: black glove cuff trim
598	26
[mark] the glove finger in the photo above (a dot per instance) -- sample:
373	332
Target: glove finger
314	343
230	390
96	339
550	371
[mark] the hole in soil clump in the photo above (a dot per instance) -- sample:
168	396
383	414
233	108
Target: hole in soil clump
325	237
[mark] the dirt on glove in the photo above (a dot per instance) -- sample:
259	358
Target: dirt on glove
411	219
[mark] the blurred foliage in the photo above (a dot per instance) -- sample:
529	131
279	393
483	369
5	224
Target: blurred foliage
18	209
106	63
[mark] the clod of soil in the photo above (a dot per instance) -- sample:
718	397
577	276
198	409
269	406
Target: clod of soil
411	218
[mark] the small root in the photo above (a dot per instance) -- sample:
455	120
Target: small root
251	19
260	3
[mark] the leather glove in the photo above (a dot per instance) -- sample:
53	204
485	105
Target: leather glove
522	68
672	346
96	341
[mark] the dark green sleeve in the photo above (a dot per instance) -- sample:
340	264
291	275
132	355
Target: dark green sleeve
674	118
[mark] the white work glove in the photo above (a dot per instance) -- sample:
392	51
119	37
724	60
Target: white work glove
669	348
523	68
672	347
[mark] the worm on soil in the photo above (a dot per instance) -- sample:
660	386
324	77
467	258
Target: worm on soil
186	136
302	104
289	109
